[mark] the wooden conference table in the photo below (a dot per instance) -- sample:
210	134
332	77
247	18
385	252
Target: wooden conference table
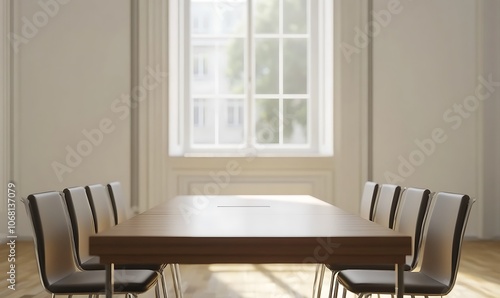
249	229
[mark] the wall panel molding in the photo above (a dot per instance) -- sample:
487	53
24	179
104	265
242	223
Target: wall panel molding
479	214
488	133
5	109
149	128
198	182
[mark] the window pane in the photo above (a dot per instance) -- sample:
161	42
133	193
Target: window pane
295	16
230	16
267	121
295	66
231	119
295	121
200	63
203	121
266	16
232	67
218	17
202	59
202	17
267	66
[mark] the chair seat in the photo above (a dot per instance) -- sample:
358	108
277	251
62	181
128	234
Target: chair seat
383	281
93	263
126	281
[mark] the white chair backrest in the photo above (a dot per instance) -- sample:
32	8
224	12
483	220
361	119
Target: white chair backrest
409	219
82	220
385	206
118	200
444	231
52	235
102	209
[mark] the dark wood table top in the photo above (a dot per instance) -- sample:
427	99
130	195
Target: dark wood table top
249	229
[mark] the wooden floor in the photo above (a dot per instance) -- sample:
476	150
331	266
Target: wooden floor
479	276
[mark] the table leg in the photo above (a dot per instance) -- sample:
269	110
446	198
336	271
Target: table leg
110	269
400	286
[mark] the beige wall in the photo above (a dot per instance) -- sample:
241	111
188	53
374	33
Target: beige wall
427	119
425	60
491	122
73	62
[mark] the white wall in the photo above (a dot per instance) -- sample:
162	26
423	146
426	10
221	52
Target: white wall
74	62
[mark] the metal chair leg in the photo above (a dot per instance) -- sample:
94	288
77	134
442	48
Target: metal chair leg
157	289
332	281
336	287
163	283
179	280
315	283
177	289
318	280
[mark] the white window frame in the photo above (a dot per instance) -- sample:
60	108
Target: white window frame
320	112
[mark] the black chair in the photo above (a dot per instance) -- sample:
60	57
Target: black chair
121	214
55	252
368	198
437	269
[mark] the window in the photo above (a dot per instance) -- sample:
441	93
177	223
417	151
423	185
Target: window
254	74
